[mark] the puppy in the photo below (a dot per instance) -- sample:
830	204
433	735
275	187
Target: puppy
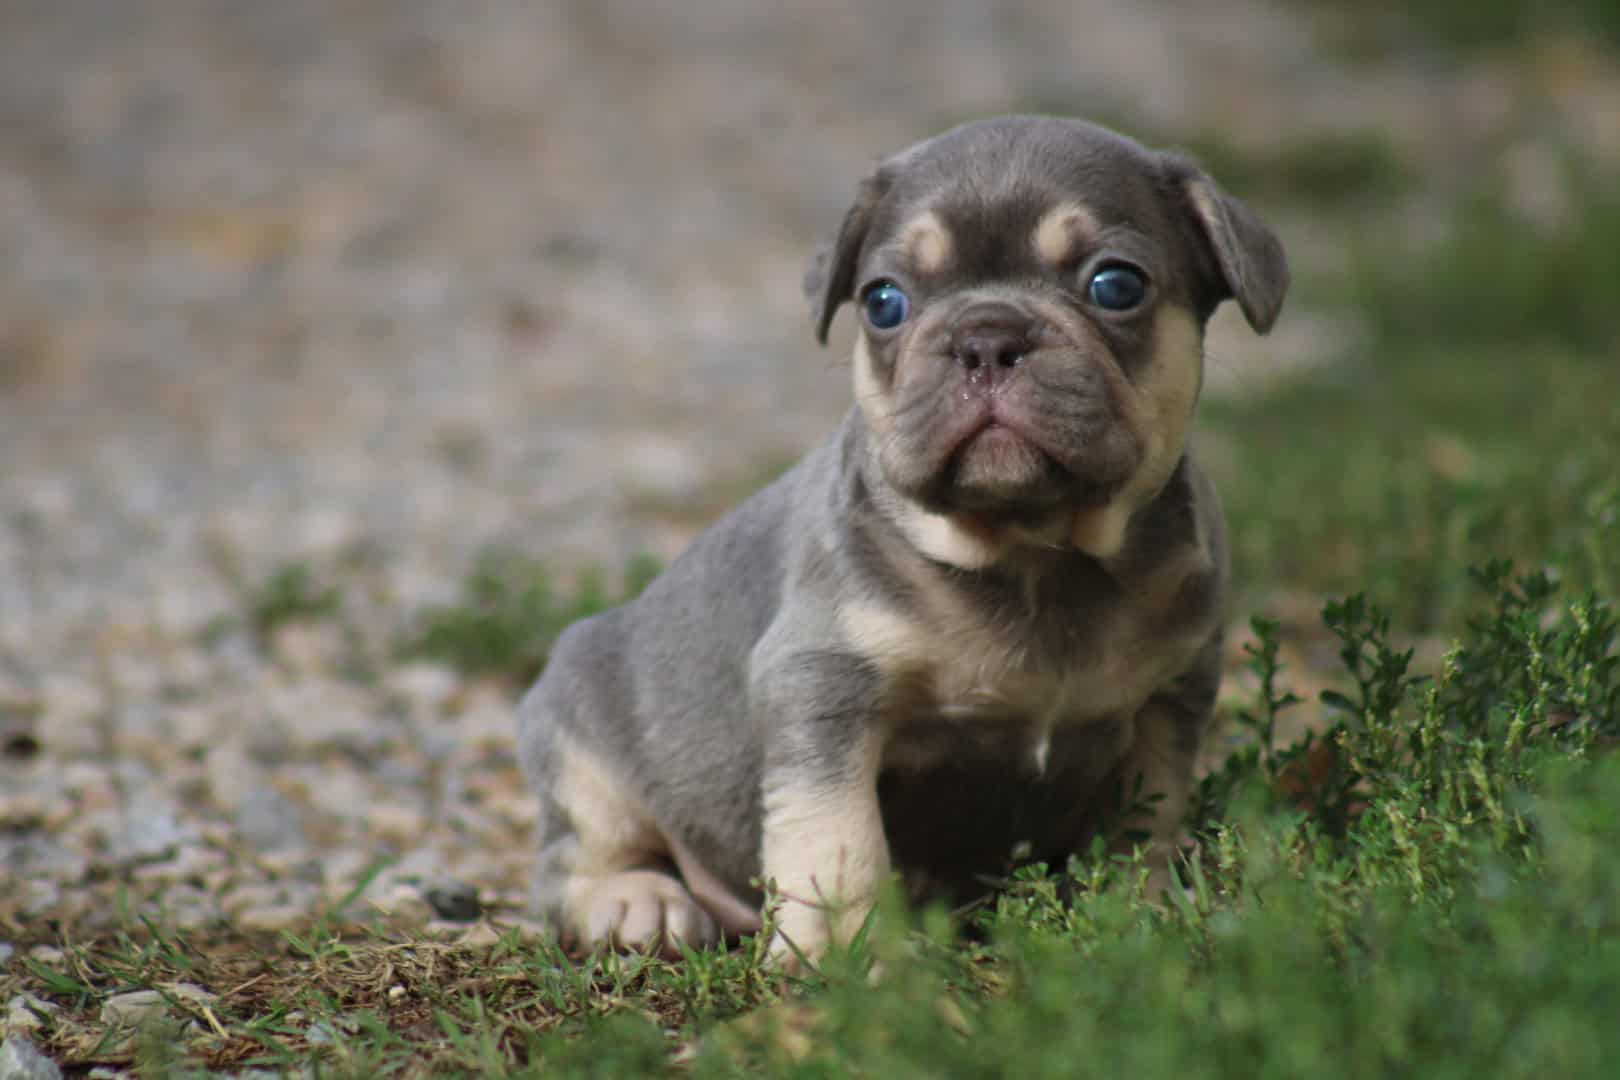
980	621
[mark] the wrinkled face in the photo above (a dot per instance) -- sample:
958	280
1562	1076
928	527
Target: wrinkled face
1031	296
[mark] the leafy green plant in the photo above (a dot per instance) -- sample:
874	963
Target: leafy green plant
510	614
291	592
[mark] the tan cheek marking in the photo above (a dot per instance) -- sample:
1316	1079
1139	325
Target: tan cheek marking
1164	401
1056	234
875	399
928	243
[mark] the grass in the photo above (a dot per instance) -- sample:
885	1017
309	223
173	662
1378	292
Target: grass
510	613
1428	886
1460	28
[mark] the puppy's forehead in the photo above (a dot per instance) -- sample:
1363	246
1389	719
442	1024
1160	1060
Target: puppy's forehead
1032	180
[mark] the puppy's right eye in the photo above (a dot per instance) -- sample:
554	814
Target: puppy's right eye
885	305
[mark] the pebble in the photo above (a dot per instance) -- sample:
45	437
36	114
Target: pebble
268	820
423	687
273	918
404	903
23	1014
151	828
229	775
456	901
308	648
21	1060
398	822
133	1009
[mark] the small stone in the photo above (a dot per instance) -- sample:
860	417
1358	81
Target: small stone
308	647
38	897
487	722
133	1008
230	774
190	993
151	828
192	862
456	901
404	902
272	919
425	688
482	936
6	950
252	895
24	1012
268	820
21	1060
320	1034
22	810
398	822
322	713
395	993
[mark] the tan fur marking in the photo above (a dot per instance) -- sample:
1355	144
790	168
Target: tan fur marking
1058	230
615	831
1163	402
941	539
875	399
826	852
890	641
618	838
928	243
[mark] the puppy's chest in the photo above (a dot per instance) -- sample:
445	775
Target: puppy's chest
1002	688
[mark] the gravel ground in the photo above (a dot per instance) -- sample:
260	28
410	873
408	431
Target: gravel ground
378	286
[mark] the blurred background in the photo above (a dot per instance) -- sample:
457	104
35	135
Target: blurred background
338	339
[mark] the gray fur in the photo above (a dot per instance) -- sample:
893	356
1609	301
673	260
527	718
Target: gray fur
731	674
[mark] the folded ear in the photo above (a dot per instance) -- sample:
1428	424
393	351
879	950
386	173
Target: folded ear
1253	267
830	279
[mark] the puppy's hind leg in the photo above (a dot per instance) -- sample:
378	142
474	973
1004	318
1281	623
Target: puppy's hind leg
605	870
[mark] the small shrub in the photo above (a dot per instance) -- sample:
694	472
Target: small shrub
510	614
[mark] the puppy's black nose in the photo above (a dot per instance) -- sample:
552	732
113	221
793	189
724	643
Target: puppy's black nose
990	342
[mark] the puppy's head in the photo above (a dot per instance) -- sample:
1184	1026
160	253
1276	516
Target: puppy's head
1032	293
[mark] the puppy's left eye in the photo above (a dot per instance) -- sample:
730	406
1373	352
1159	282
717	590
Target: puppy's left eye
1117	288
886	306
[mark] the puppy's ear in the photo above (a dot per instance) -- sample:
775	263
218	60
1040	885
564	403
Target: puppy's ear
830	280
1253	268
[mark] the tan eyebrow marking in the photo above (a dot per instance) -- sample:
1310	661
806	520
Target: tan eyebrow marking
1060	230
927	242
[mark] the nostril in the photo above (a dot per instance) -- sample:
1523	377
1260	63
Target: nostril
978	351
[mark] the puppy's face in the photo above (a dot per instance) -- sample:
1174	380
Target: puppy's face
1031	294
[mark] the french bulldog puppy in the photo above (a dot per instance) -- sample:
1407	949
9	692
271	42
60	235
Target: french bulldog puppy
978	622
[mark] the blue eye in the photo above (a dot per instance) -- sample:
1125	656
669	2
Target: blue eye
886	305
1117	288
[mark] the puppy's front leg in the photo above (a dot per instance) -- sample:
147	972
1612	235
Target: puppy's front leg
824	848
1158	768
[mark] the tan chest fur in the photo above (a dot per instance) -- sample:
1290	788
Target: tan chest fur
954	677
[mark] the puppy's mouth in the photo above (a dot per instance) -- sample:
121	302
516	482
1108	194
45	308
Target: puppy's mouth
997	470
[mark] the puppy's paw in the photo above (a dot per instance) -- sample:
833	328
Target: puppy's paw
643	911
806	930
